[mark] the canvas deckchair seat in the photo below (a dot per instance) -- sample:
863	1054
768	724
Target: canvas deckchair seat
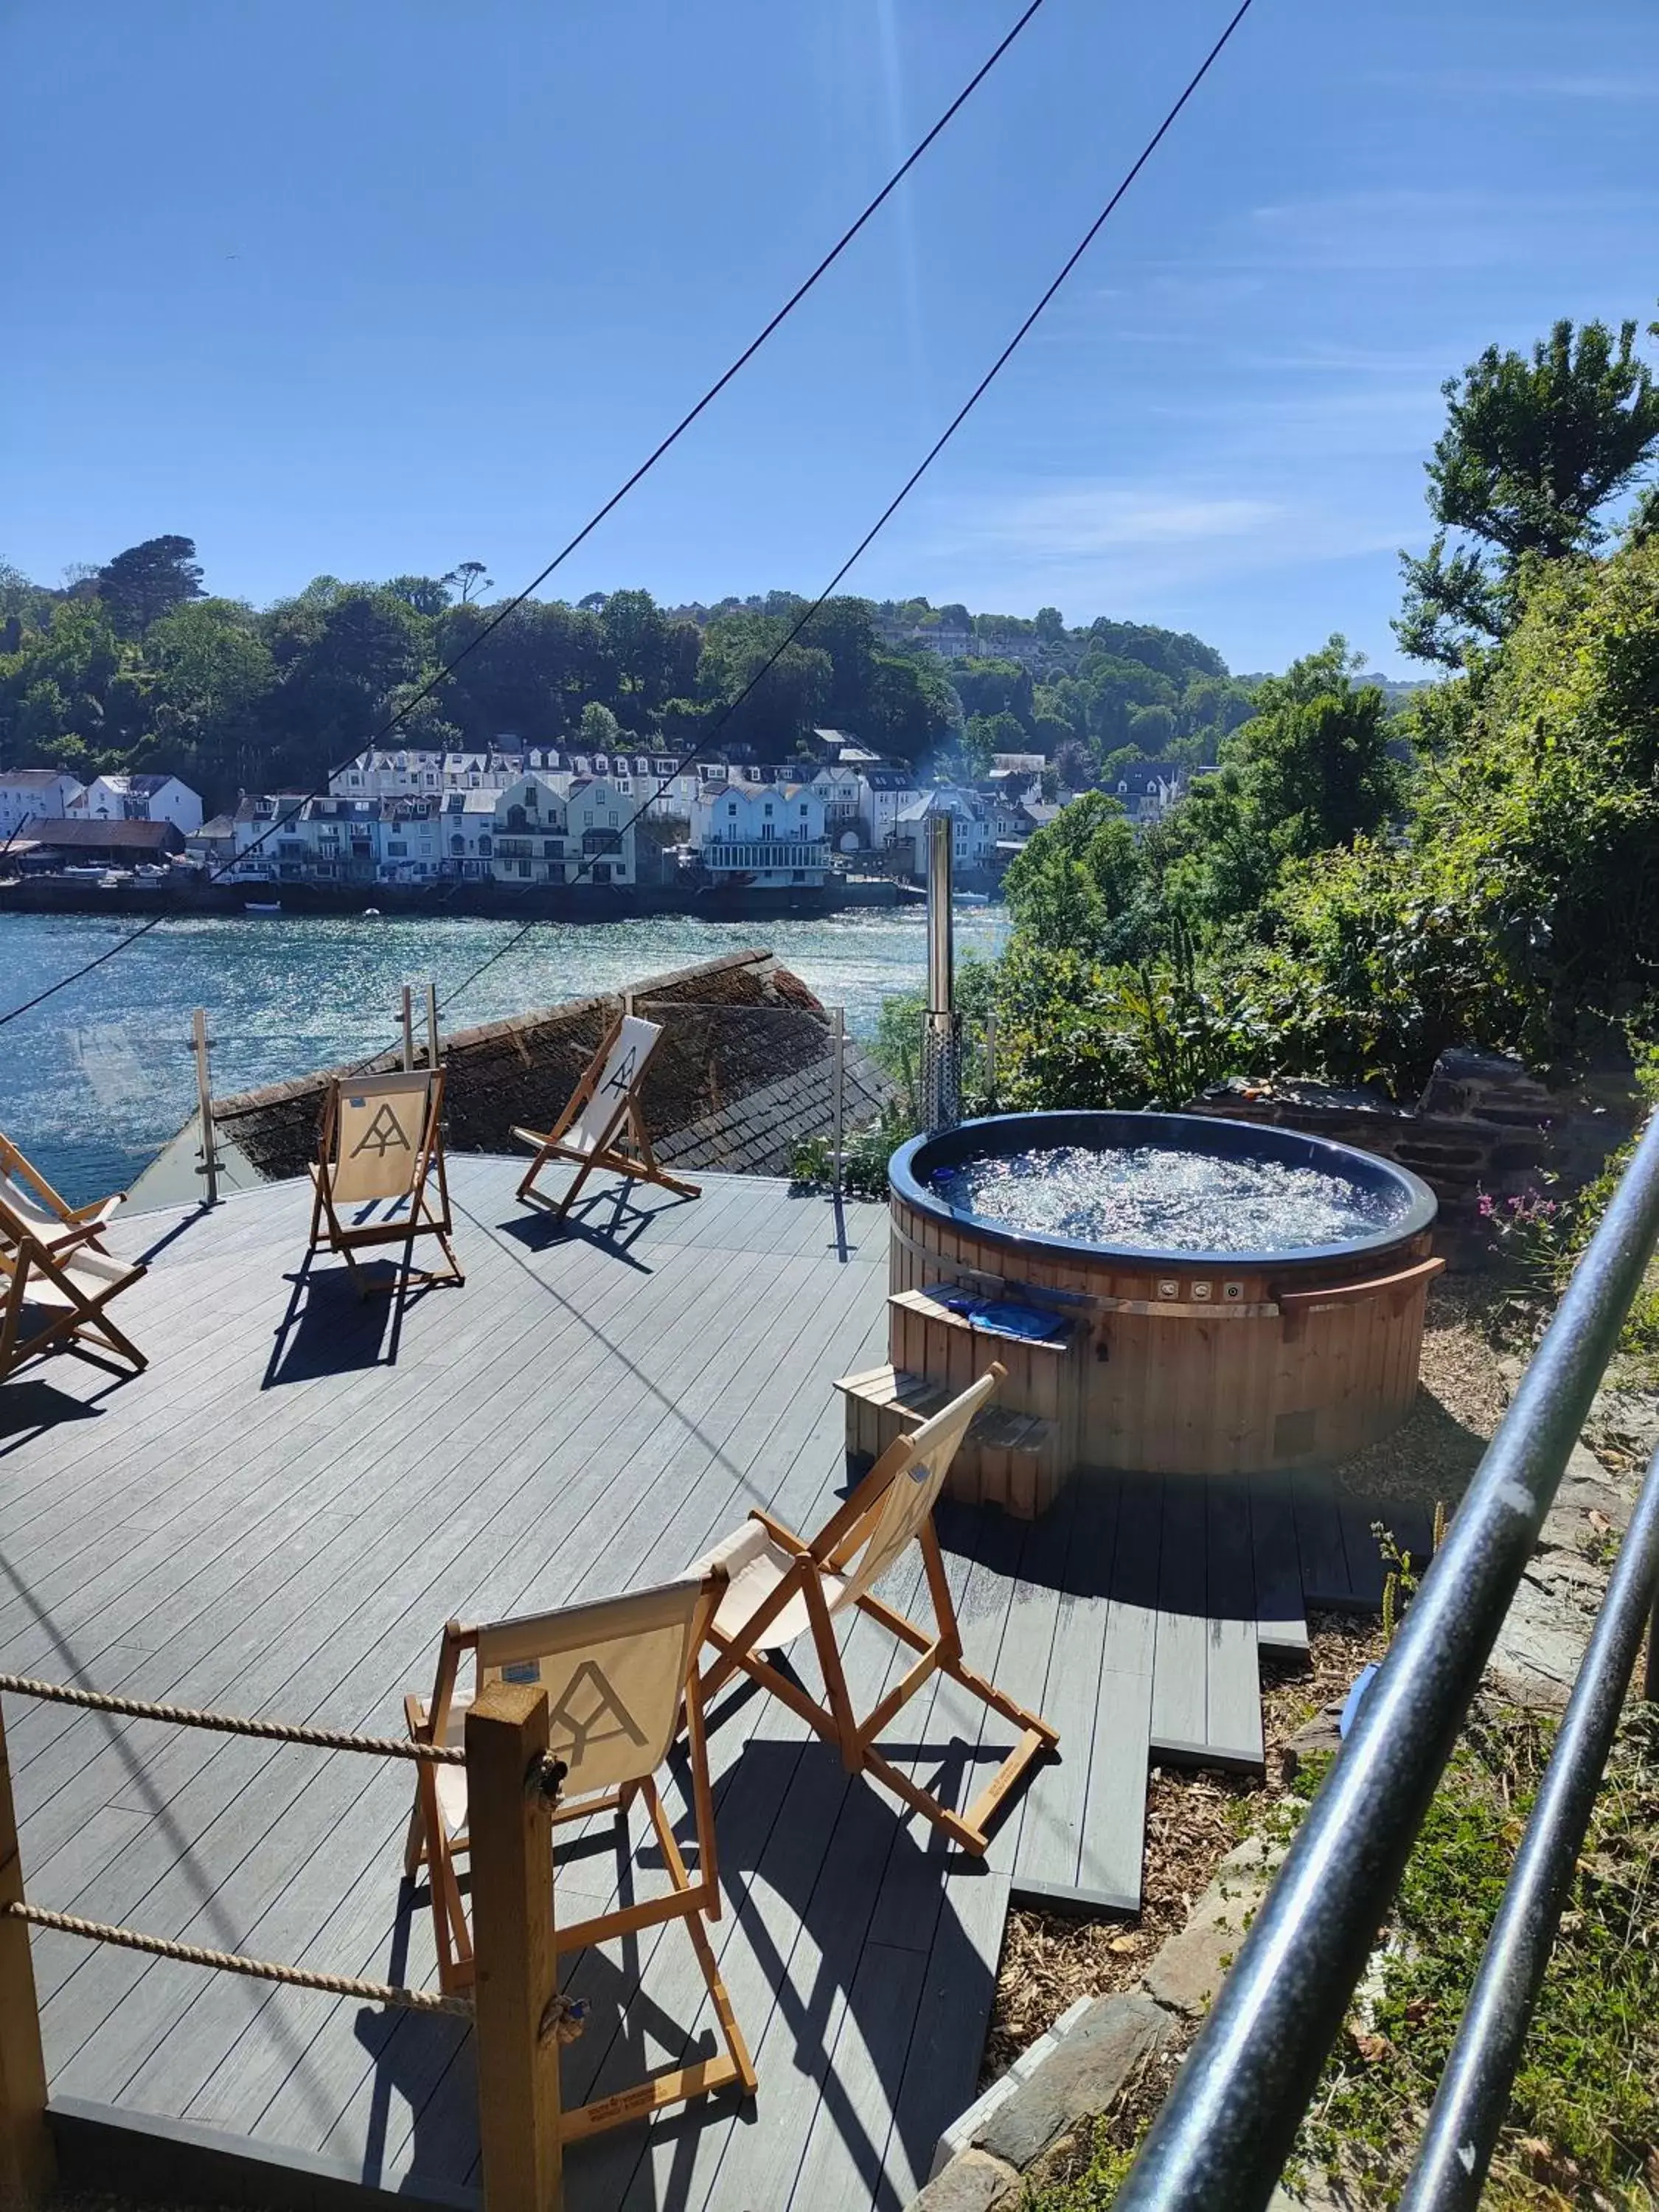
52	1299
782	1586
621	1678
615	1675
757	1563
603	1128
379	1176
29	1206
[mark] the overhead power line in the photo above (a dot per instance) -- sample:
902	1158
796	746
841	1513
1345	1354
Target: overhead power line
511	607
910	482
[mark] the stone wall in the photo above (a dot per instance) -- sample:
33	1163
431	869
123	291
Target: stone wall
1482	1126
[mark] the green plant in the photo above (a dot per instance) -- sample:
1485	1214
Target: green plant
1404	1576
1583	2128
1094	2186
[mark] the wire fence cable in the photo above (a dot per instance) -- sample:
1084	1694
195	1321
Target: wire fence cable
511	607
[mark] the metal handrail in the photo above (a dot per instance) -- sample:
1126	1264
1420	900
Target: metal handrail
1473	2094
1223	2136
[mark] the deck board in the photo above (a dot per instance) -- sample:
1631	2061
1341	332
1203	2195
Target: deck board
281	1513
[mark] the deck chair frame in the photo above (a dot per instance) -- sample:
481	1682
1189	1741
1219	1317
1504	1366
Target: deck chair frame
692	1901
623	1145
423	1218
76	1224
76	1318
835	1548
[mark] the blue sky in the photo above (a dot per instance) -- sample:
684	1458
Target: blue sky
383	285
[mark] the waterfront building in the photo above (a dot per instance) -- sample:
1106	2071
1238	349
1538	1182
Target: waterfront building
468	835
884	794
769	834
574	830
140	799
36	794
972	843
76	842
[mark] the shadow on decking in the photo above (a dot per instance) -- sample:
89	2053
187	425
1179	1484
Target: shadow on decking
328	1329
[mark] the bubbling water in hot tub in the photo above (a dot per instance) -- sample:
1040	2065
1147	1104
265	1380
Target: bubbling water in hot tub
1150	1198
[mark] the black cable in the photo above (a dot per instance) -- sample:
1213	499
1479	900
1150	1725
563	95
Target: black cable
512	606
910	482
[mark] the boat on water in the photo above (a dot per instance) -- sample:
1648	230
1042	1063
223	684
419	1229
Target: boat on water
262	906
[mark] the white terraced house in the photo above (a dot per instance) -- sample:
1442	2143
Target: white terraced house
36	794
769	834
139	798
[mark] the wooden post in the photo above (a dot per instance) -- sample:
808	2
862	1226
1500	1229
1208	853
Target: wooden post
28	2167
431	1025
838	1037
204	1103
516	1970
408	1030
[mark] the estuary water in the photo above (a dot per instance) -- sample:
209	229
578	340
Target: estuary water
93	1083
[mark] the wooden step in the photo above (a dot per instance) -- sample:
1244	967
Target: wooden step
1007	1458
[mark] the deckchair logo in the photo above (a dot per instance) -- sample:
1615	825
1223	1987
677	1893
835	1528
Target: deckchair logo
621	1078
590	1686
384	1134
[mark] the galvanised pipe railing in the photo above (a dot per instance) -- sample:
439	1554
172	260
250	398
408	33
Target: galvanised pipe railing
1473	2094
1223	2134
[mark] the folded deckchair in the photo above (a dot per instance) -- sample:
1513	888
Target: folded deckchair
779	1587
603	1127
55	1301
30	1206
380	1159
618	1674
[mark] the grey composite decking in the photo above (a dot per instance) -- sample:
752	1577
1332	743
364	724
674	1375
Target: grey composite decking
280	1514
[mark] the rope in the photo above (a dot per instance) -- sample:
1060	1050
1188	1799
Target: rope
100	1701
562	2018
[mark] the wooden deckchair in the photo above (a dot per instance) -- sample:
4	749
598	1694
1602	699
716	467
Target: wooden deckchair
379	1154
29	1206
779	1587
619	1674
54	1301
603	1127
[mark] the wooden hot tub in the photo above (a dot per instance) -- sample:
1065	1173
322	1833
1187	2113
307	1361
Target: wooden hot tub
1179	1362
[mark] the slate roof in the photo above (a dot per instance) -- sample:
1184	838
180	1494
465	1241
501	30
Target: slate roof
734	1029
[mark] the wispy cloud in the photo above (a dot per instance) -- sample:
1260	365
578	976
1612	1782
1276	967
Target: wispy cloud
1522	84
1103	543
1407	230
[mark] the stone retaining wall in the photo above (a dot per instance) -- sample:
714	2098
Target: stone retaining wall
1482	1126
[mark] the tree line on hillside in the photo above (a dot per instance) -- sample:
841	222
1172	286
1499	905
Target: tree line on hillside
1333	903
134	665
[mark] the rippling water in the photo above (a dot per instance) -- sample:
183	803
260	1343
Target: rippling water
1144	1199
94	1082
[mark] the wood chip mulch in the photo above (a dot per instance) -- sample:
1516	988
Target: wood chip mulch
1050	1960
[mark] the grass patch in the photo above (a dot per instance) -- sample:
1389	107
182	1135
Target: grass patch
1582	2131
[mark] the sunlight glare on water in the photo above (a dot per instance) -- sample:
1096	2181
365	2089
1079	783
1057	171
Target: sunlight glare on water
93	1083
1144	1198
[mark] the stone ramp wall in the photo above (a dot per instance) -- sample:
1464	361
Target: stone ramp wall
743	1070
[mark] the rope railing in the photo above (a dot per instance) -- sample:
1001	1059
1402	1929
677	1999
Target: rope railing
563	2018
141	1708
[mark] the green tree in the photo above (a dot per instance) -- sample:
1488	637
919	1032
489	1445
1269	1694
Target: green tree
1078	886
1533	449
468	581
148	580
599	731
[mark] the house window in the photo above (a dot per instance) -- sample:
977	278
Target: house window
397	849
731	806
767	808
553	847
483	848
524	870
